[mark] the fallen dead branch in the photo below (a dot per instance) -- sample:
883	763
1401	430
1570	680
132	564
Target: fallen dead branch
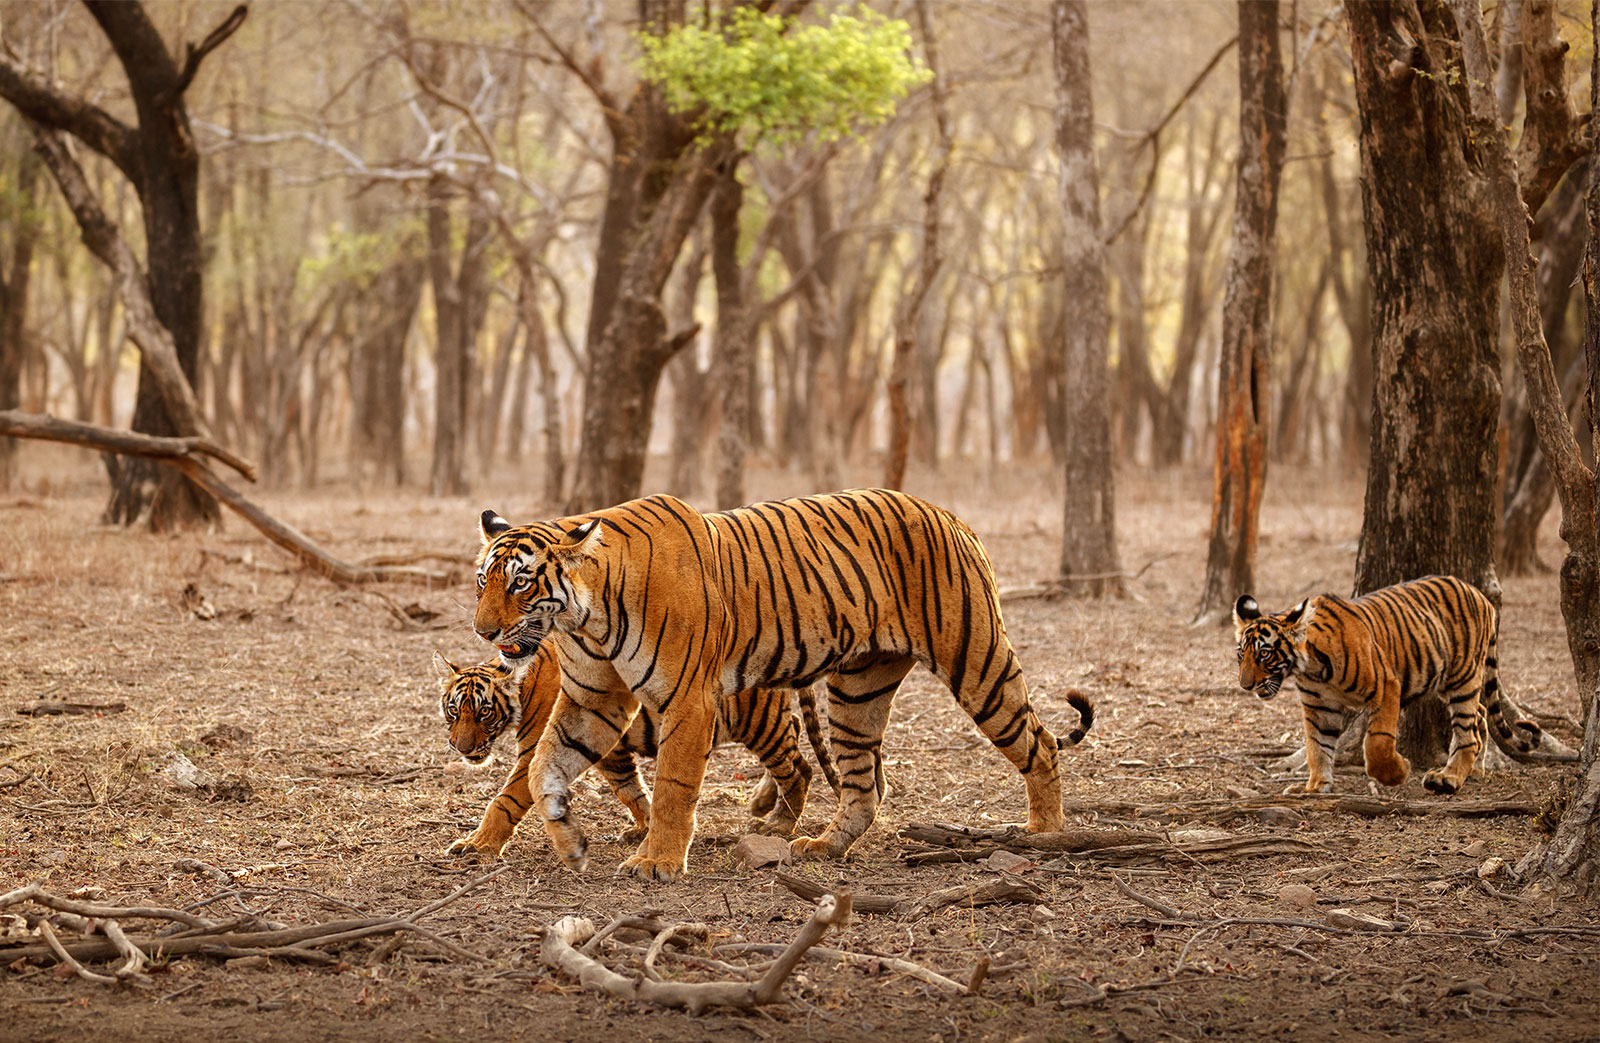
201	935
948	843
559	952
1008	889
44	708
1220	809
186	454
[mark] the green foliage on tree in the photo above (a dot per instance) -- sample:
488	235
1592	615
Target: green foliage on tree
763	76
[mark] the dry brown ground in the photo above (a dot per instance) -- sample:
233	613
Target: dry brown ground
324	680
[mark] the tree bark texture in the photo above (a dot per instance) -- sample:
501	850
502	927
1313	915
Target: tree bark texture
1244	386
1434	259
1089	563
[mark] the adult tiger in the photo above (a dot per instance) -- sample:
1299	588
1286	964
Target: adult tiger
652	601
482	702
1381	652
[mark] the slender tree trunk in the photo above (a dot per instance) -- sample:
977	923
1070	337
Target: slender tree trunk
731	348
1244	386
1575	849
1089	563
14	282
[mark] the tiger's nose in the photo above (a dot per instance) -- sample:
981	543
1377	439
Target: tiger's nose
487	635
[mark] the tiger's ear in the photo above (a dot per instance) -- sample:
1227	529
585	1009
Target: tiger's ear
582	542
1301	615
1244	610
491	525
445	668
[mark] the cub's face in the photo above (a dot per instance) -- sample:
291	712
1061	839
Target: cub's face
532	580
1267	644
479	703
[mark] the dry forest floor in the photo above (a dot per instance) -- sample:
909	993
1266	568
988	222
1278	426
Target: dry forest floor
311	710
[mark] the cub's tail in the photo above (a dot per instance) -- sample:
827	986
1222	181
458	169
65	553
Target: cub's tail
1080	702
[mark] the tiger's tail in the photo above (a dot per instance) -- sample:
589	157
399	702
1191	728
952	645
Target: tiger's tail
819	744
1517	736
1080	702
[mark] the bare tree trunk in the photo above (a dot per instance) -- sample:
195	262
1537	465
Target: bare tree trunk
731	347
908	325
1089	563
1576	845
1244	386
14	282
458	299
691	417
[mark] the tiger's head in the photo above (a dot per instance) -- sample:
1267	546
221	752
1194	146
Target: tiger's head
479	703
532	580
1269	646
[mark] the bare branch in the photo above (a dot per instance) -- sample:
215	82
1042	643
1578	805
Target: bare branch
195	54
37	100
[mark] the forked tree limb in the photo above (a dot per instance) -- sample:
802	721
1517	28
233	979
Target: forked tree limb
559	951
186	455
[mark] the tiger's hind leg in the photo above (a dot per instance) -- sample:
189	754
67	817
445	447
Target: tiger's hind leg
860	695
996	697
1468	732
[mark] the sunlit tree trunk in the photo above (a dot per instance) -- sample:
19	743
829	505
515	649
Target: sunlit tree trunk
1089	563
1244	387
731	348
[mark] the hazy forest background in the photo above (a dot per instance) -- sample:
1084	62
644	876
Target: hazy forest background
1171	301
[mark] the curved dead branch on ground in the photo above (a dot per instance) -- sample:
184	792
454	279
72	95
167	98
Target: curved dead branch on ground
186	454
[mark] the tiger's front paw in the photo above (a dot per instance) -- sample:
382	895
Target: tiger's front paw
634	834
817	847
1389	771
1308	786
660	870
476	846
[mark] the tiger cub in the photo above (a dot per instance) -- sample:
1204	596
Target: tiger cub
1436	635
481	702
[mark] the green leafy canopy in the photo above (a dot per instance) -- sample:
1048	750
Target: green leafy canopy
753	76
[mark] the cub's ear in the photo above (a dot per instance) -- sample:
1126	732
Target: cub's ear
491	525
583	541
445	668
1301	615
1245	609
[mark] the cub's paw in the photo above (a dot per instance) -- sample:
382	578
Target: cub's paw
476	847
1307	787
1438	782
660	870
634	834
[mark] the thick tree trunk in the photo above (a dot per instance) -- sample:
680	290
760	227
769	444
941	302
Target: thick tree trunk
1434	259
659	183
459	299
1244	386
1089	563
378	366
